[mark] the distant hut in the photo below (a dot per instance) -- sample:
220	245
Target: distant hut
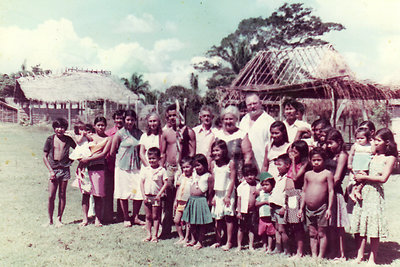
74	93
314	74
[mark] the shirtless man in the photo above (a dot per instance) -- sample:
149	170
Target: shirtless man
317	199
246	206
56	159
170	161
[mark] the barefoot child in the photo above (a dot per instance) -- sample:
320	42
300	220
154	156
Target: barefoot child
266	227
277	203
182	195
154	182
223	201
197	213
359	159
246	205
55	158
317	199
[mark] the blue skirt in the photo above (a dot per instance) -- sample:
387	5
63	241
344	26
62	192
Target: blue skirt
197	211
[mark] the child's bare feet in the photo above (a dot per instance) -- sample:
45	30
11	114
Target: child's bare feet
251	248
59	224
216	245
180	241
147	239
127	224
198	246
97	223
227	247
239	248
84	223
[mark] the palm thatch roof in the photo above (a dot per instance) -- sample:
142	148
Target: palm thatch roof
74	86
305	72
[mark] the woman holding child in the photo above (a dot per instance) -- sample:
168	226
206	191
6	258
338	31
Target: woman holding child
368	218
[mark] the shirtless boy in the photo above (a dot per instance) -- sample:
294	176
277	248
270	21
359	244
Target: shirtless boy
169	160
317	200
56	159
246	206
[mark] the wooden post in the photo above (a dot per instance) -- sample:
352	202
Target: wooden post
30	113
334	108
281	108
69	115
105	108
86	112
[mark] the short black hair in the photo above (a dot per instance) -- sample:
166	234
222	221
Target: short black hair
284	158
249	170
186	160
269	180
60	122
119	112
318	151
154	151
291	102
171	107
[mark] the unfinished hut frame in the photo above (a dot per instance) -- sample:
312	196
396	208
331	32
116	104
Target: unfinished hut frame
313	72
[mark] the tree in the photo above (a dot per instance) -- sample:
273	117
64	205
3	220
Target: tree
140	87
289	26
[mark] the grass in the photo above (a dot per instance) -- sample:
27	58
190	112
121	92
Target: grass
23	204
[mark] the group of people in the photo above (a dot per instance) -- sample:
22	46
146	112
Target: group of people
252	176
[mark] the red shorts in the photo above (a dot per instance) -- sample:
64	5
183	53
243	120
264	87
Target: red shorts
265	226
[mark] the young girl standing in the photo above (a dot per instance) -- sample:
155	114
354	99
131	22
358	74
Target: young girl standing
223	203
197	213
368	218
278	146
298	153
359	159
337	164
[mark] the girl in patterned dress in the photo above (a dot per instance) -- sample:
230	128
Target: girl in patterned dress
298	153
368	218
223	202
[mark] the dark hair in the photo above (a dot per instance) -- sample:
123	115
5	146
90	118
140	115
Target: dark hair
336	136
78	125
291	102
186	159
89	128
318	151
119	112
249	170
284	158
131	113
325	122
100	119
301	147
364	131
202	160
171	107
222	145
369	124
60	123
154	151
387	136
269	180
282	128
301	108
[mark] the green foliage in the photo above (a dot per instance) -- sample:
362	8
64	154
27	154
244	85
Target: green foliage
380	115
141	87
291	25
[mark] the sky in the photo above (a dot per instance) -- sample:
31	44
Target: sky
162	39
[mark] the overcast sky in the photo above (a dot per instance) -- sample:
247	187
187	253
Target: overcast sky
161	39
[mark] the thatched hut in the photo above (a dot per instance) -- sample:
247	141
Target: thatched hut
314	74
71	94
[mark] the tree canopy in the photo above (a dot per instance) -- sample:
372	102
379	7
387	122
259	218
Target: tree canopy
291	25
141	87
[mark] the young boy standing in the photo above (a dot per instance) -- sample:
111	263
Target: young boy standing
56	159
277	203
246	206
317	200
154	182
